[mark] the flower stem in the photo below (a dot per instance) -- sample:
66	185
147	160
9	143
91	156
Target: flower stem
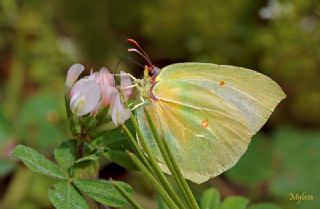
156	169
137	149
171	204
130	200
172	165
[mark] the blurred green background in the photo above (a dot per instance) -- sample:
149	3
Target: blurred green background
39	40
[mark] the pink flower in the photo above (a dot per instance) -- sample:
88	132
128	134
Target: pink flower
96	91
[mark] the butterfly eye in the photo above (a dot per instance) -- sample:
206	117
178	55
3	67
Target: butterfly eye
153	71
156	71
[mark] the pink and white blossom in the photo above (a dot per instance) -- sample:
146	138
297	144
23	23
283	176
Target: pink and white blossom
96	91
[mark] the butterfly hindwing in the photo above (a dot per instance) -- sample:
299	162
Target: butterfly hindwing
205	134
207	114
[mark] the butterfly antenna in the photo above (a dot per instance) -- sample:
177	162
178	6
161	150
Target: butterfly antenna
139	50
129	59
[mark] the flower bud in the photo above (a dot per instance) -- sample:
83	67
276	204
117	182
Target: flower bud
73	73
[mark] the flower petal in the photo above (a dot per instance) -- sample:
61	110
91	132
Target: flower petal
125	83
118	113
106	83
73	73
85	96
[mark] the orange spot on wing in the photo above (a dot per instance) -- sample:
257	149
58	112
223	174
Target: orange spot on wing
205	123
221	83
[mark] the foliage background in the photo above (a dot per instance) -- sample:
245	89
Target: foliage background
39	40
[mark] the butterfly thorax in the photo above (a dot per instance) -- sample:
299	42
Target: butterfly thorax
151	73
145	86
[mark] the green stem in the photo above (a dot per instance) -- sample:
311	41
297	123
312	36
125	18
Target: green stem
171	204
172	165
130	200
162	178
67	104
136	148
182	179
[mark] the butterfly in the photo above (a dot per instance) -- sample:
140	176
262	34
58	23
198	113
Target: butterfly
207	113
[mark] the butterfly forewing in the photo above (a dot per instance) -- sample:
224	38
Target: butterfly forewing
255	94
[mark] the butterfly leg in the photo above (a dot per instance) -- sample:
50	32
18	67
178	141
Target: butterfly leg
131	76
136	106
154	97
139	104
129	87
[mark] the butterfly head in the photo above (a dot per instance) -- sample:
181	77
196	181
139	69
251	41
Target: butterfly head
153	71
150	69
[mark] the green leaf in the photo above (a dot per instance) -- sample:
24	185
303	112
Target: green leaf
298	158
37	163
255	166
264	206
85	169
91	157
235	202
103	191
210	199
296	167
65	196
116	139
121	158
65	154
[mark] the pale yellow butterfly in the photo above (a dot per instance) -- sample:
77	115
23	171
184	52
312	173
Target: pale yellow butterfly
207	113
